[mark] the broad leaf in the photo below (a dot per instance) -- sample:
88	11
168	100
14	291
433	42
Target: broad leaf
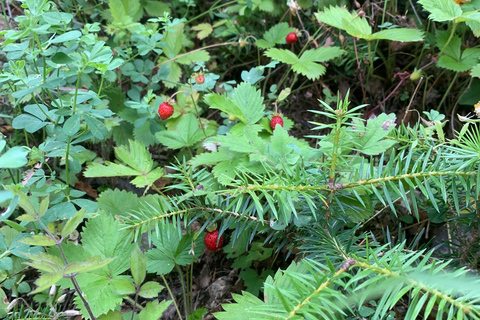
102	236
369	139
275	35
186	135
441	10
171	248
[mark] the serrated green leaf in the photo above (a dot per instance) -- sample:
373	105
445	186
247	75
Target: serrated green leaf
117	10
399	34
370	139
102	236
225	171
133	8
109	170
282	55
307	64
172	249
275	35
225	104
280	139
249	101
212	158
118	202
240	310
441	10
137	157
186	135
334	16
99	291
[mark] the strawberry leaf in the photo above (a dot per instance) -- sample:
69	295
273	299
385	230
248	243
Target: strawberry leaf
441	10
275	35
136	160
307	64
187	134
171	248
249	101
369	139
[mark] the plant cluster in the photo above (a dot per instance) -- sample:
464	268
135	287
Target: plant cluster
295	144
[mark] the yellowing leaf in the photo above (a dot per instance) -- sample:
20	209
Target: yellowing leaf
204	30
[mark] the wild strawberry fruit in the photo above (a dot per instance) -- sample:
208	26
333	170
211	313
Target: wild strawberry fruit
165	111
276	120
200	79
291	37
211	241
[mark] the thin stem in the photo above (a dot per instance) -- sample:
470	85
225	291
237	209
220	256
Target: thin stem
171	295
5	15
182	281
336	143
202	48
359	71
448	91
198	113
72	278
11	175
214	7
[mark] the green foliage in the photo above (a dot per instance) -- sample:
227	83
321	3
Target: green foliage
359	27
136	161
81	86
307	64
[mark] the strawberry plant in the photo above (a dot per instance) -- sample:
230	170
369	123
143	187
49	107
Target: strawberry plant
141	137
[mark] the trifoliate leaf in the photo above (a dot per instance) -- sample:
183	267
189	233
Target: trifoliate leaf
369	139
441	10
356	26
172	248
275	35
138	162
187	134
307	64
225	104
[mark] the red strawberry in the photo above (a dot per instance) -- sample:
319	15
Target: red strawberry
276	120
291	37
200	79
211	240
165	111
